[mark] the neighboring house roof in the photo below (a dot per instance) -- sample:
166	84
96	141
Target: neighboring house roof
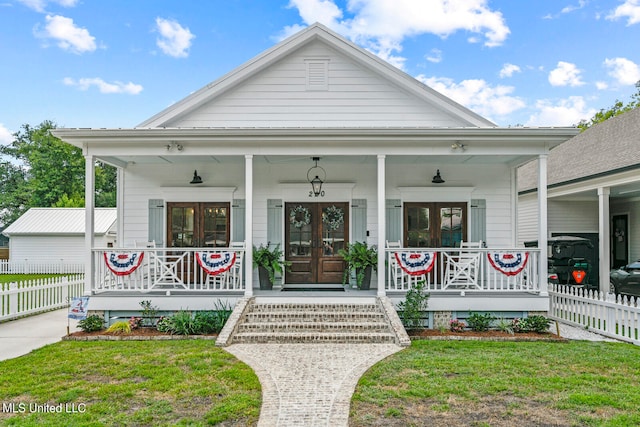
606	148
171	117
60	221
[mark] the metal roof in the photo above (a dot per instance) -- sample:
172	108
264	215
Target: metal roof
60	221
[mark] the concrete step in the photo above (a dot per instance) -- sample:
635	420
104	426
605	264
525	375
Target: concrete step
358	327
305	316
314	337
311	307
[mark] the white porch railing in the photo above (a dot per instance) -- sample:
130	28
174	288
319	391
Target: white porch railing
616	317
19	299
469	270
27	267
168	269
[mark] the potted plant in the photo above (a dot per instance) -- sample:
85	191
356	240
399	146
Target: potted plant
269	262
361	259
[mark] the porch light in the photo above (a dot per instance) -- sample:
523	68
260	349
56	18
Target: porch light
316	183
196	178
437	179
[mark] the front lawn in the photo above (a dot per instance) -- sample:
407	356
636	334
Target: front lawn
465	383
129	383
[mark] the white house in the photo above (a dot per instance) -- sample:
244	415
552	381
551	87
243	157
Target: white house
593	190
379	139
57	235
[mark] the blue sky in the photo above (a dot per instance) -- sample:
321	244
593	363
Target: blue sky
116	63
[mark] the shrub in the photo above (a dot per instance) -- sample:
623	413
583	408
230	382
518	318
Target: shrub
165	324
149	313
183	323
212	321
91	323
414	304
536	323
505	325
135	322
479	322
456	325
120	327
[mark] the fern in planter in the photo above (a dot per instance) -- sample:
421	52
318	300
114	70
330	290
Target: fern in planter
358	257
271	260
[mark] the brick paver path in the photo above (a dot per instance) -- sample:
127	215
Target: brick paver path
308	384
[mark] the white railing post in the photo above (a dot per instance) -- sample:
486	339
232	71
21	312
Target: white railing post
382	221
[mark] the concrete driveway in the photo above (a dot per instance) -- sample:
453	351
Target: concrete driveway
21	336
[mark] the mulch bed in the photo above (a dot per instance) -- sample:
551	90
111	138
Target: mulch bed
434	334
139	334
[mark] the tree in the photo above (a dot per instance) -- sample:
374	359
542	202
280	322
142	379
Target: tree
616	109
44	171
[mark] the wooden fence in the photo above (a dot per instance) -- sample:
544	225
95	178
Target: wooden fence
615	317
13	267
19	299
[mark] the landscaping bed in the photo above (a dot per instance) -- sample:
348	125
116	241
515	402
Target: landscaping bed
491	335
138	334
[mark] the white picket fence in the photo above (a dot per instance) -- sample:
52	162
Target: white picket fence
19	299
598	312
26	267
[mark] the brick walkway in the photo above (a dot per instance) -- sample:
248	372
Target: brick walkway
308	384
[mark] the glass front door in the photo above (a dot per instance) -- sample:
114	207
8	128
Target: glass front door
197	225
315	232
434	225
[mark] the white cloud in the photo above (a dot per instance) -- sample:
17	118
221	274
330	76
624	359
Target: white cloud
434	56
630	10
626	72
40	5
174	40
6	136
602	85
566	112
572	7
104	87
382	25
508	70
565	74
477	95
68	36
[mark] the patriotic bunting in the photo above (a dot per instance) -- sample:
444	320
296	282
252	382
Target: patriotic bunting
215	263
416	263
508	263
123	263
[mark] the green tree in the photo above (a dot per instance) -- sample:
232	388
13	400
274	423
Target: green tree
44	171
616	109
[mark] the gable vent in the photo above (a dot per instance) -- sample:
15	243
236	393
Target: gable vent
317	74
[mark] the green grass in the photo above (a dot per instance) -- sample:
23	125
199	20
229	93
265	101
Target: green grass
8	278
502	384
132	383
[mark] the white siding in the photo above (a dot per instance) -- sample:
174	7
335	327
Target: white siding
527	218
286	181
279	97
50	249
573	216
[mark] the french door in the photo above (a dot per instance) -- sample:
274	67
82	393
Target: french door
314	233
198	225
434	225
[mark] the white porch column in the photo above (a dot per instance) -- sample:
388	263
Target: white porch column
89	226
248	225
543	270
604	237
382	225
120	206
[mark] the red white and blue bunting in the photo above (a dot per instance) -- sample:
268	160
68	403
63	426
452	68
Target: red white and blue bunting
508	263
215	263
416	263
123	263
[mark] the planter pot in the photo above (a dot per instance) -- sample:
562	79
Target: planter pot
263	276
366	281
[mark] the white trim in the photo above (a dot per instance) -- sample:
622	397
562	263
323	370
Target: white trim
543	230
301	192
604	237
120	207
89	206
198	194
248	225
382	221
433	194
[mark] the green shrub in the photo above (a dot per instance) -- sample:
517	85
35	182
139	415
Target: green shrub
212	321
413	306
536	323
149	313
91	323
479	322
505	325
165	324
120	327
183	323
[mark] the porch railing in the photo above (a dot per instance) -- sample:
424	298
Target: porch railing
468	270
168	269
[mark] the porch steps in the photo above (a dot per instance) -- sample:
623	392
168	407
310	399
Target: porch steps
313	322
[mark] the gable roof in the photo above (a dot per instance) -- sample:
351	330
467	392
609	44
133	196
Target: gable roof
60	221
604	149
314	33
